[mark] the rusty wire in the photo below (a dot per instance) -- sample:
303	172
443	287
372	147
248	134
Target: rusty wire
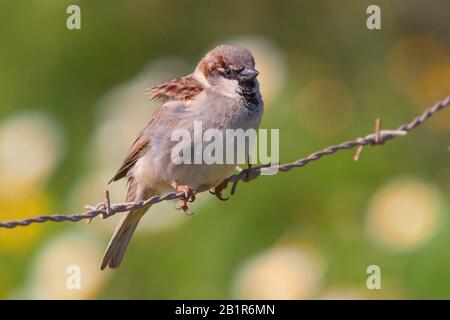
105	209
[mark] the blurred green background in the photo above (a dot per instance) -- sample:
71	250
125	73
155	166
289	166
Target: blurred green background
72	101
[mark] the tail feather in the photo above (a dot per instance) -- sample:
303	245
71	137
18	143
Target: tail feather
118	244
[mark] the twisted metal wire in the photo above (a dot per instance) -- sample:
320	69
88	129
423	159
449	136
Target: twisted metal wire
105	210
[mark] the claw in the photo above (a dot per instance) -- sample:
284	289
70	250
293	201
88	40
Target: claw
188	196
218	195
183	206
249	175
218	192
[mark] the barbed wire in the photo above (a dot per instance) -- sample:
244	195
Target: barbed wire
106	210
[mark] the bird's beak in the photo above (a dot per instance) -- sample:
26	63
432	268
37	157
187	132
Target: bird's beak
248	74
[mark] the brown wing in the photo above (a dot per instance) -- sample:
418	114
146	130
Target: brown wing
137	150
184	88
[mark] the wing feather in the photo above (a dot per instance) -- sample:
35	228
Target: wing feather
137	150
184	88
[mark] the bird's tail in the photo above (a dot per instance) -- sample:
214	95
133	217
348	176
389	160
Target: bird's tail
119	241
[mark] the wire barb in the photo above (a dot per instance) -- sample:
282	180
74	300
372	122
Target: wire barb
106	210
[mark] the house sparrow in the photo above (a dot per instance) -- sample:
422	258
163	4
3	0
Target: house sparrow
222	93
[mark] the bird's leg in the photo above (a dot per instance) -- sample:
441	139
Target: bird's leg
188	196
248	175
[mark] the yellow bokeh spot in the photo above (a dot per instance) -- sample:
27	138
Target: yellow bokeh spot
15	209
284	272
404	214
419	67
30	147
410	59
435	85
68	268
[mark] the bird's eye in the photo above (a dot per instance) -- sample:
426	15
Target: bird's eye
226	72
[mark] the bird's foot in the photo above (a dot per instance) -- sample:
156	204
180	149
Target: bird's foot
187	196
249	175
218	191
